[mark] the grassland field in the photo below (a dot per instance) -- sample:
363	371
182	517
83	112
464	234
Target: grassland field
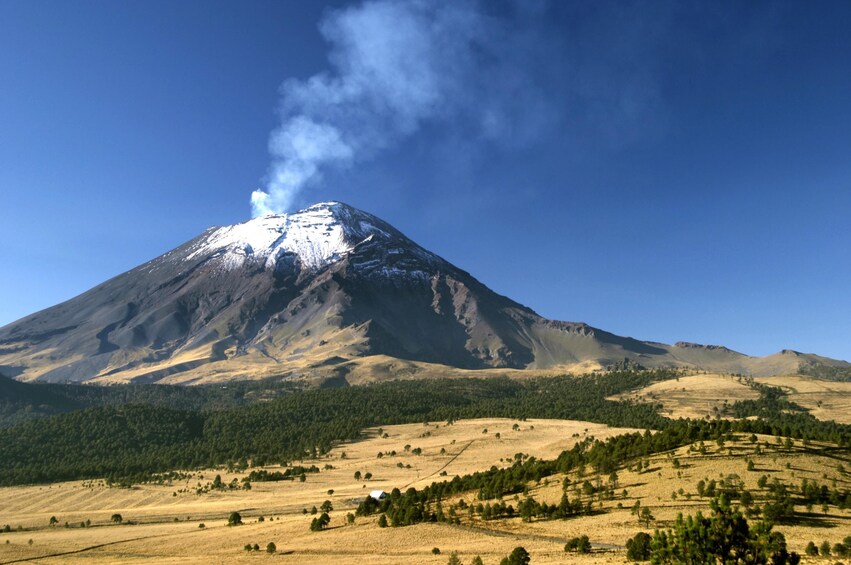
161	523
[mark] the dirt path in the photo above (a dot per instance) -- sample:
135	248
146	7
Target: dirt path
447	464
82	550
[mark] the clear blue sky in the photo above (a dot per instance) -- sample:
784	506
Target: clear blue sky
668	171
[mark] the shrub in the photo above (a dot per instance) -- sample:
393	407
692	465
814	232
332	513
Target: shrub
234	519
580	545
638	547
271	548
811	549
434	550
518	556
318	524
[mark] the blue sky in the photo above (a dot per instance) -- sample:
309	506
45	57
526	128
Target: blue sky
668	171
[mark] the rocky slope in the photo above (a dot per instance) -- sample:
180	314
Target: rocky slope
316	292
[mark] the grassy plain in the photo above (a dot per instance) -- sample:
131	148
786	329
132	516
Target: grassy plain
693	396
826	400
704	394
164	519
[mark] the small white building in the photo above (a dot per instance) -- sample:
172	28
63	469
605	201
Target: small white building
378	495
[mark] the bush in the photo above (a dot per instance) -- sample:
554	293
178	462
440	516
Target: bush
580	545
382	521
271	547
234	519
116	518
811	549
638	547
434	550
519	556
318	524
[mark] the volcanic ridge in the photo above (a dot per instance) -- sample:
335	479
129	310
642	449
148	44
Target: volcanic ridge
328	292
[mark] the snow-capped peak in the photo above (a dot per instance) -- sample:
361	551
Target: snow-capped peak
319	235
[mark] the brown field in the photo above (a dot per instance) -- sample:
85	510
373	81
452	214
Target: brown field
167	531
166	525
701	395
826	400
693	396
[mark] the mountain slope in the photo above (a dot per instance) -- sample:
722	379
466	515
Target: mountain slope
311	292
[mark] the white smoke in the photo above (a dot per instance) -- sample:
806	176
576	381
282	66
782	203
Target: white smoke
496	72
395	64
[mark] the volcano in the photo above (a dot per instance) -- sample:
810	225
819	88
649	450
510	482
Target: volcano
318	293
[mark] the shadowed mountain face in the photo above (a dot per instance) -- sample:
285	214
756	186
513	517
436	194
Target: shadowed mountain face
318	288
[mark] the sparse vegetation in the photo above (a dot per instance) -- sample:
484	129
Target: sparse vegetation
593	477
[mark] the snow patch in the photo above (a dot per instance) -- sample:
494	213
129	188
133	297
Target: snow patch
318	235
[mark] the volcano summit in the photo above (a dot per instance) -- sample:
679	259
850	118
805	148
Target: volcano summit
320	292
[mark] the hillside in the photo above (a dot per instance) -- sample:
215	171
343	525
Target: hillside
318	294
160	522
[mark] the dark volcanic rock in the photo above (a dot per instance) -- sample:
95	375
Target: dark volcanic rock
292	292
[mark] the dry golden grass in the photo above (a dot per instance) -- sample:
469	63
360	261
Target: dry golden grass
694	396
654	488
166	525
701	395
826	400
166	528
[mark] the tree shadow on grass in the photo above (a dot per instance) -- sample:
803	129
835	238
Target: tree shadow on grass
811	520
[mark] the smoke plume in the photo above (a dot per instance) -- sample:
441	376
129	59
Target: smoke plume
394	65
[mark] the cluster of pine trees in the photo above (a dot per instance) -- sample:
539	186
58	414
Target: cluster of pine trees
134	440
